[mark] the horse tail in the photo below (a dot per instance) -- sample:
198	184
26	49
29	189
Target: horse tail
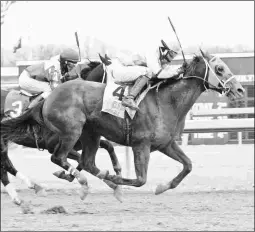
18	128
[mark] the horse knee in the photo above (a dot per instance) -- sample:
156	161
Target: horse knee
188	167
53	159
140	182
86	166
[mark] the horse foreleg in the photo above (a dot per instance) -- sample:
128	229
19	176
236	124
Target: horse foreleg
90	145
74	155
115	162
141	161
175	152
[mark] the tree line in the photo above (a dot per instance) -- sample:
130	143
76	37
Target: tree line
90	49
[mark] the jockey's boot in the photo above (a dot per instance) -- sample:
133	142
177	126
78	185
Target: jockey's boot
35	101
128	100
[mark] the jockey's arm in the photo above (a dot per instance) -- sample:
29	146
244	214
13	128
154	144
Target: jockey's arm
52	70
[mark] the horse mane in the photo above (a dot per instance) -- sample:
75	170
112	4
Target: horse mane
90	66
189	70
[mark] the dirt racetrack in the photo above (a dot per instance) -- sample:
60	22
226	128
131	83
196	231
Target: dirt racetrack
217	195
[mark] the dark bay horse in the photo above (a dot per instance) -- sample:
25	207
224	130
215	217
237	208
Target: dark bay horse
154	128
48	141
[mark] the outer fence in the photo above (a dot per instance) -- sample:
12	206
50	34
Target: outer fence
220	125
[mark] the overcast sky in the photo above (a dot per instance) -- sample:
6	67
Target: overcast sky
130	25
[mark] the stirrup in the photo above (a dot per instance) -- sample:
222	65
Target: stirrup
130	103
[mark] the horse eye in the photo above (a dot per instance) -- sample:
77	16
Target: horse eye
220	69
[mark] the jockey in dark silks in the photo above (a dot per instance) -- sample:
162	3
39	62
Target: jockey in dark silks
36	79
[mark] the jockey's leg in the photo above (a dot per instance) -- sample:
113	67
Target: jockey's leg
33	86
128	101
44	95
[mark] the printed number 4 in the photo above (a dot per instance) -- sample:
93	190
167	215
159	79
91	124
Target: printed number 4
18	110
117	94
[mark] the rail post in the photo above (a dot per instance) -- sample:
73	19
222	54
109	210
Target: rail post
128	162
240	137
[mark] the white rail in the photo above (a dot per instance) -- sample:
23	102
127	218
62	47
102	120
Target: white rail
219	125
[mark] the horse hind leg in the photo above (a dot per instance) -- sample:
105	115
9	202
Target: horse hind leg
59	157
175	152
13	171
10	189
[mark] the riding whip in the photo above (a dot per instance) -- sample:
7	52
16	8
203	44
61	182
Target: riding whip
177	38
78	44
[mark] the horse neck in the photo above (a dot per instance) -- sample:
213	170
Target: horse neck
96	74
183	94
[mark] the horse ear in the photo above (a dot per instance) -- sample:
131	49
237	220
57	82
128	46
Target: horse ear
101	58
203	54
164	44
105	60
107	57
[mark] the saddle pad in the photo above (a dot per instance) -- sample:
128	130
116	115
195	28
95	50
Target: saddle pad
16	103
113	96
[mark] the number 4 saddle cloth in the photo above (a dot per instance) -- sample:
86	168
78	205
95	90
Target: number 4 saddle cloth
113	97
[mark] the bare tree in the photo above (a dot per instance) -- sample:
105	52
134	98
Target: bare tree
5	5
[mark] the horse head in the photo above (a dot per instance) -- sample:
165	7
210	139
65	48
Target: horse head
215	75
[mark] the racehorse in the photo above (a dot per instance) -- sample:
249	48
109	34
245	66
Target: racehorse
47	141
154	128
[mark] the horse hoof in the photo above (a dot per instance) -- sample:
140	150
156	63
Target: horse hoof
161	188
17	201
118	193
82	179
83	192
102	174
59	174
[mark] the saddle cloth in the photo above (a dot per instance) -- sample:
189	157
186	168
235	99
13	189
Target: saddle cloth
16	102
113	96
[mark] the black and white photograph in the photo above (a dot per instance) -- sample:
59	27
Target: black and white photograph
127	116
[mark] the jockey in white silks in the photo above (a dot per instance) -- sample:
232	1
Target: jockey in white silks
36	78
128	69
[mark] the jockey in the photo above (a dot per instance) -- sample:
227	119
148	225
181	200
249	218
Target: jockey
128	69
36	78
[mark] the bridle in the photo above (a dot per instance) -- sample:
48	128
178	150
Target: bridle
222	88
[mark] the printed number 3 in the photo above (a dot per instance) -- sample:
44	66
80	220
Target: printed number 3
18	110
120	95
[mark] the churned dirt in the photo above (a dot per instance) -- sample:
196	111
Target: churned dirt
217	195
63	210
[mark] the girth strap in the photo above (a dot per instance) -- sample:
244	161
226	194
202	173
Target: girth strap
36	139
128	130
